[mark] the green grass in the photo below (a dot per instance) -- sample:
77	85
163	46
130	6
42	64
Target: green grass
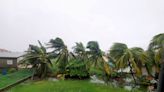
11	78
64	86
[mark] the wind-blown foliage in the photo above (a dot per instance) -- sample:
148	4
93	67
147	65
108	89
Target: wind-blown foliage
83	60
157	47
39	59
96	57
94	52
77	69
140	57
132	57
155	51
80	52
153	67
60	52
78	66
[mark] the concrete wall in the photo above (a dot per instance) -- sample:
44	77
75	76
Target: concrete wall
8	63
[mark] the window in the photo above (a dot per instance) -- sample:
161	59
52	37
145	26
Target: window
9	62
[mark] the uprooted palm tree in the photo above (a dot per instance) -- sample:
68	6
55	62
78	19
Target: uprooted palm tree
38	57
157	47
96	57
128	57
60	52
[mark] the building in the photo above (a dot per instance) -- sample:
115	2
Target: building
4	50
10	59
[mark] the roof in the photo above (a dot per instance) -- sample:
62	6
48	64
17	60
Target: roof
4	50
11	54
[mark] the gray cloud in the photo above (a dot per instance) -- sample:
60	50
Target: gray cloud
133	22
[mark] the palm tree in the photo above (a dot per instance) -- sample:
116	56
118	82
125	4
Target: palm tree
60	52
79	50
94	52
81	54
78	66
96	57
39	59
153	66
140	57
157	46
128	57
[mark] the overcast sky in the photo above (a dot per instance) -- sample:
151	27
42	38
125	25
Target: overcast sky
134	22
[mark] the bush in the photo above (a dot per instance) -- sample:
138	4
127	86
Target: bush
12	70
9	70
77	69
95	71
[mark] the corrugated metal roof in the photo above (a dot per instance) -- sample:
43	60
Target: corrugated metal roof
11	54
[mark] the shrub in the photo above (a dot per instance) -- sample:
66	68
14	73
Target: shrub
77	69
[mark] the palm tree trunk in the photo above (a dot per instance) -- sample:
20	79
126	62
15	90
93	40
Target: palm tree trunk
132	73
161	79
33	70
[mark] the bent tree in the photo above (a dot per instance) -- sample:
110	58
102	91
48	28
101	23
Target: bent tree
125	57
96	57
38	57
157	46
60	52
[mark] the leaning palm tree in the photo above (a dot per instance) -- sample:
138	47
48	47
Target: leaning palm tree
60	52
124	57
153	66
94	52
96	57
81	54
140	57
39	59
157	46
79	50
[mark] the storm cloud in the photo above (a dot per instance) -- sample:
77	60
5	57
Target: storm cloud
134	22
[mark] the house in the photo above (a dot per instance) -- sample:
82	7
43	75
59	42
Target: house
10	59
